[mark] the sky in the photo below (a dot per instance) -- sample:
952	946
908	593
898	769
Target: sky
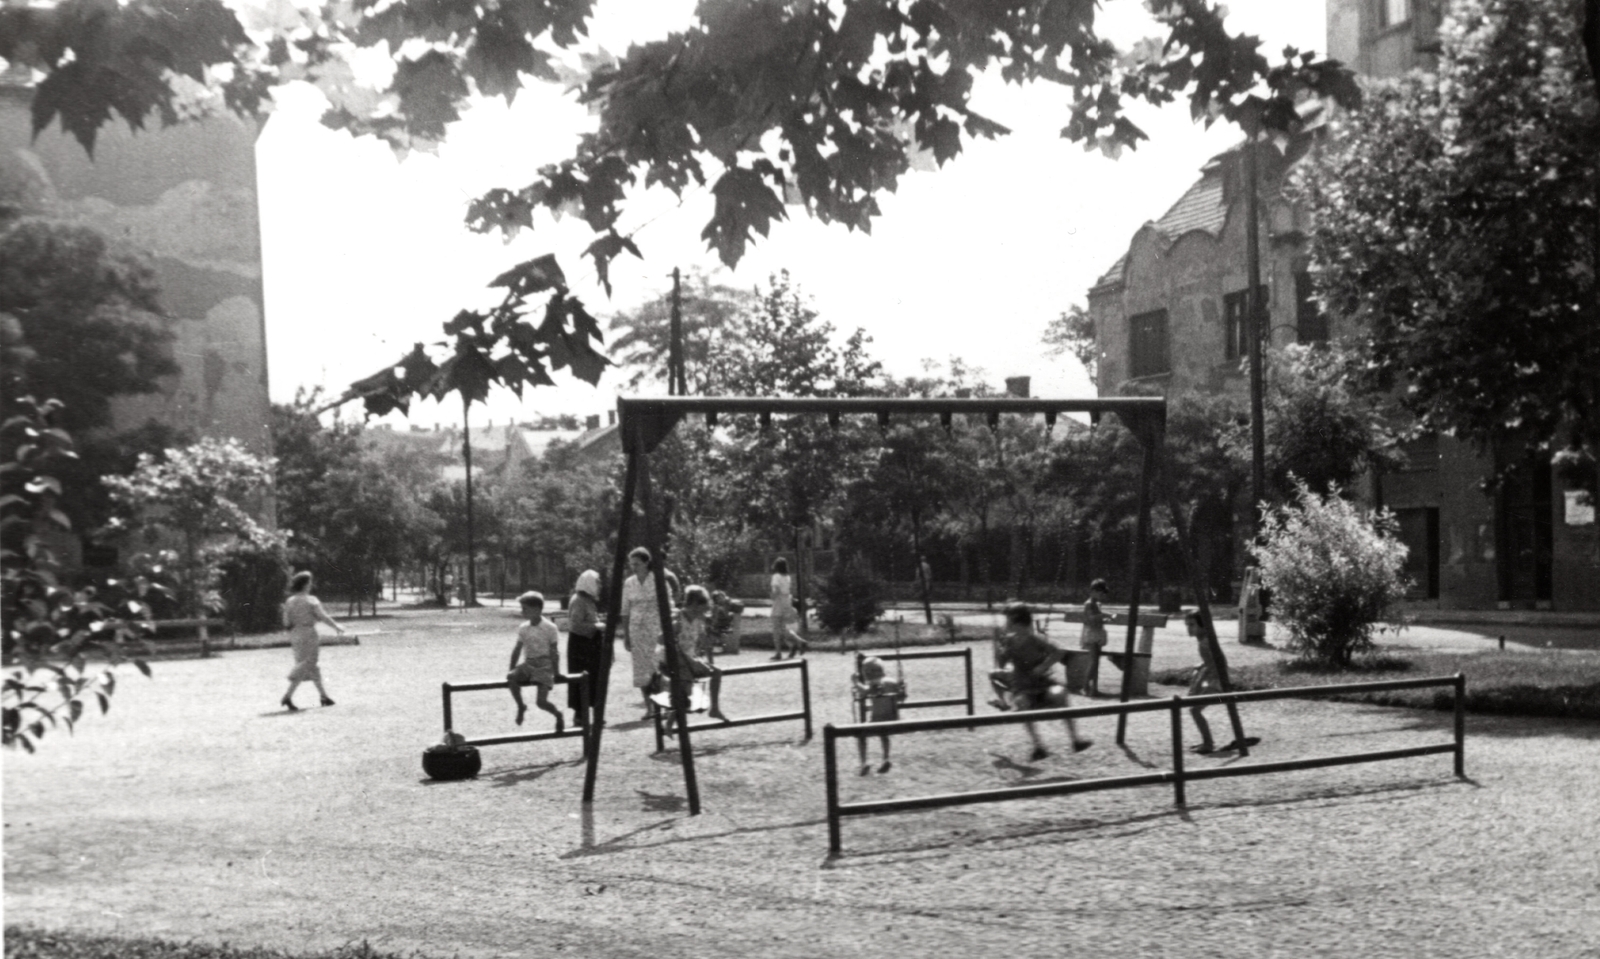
364	255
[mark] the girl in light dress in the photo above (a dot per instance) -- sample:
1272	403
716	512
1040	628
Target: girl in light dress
301	614
783	613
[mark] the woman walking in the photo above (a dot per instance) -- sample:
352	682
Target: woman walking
587	651
784	615
301	613
641	623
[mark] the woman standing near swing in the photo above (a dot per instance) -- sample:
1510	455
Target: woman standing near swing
301	613
641	623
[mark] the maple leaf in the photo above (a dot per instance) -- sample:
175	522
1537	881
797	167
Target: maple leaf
469	373
744	203
429	88
606	249
533	276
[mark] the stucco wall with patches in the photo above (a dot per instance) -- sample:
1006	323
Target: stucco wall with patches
186	195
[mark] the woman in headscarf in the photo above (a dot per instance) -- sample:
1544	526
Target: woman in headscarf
587	651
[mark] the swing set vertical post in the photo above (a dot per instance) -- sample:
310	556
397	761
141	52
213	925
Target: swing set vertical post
656	541
597	720
1178	796
1151	440
805	693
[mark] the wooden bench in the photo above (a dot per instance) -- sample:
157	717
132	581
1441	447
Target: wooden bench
1138	677
201	626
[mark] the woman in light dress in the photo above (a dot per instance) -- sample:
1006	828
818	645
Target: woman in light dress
641	623
784	616
301	613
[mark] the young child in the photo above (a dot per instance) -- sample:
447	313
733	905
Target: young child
1205	681
690	635
1031	659
539	646
1093	637
880	699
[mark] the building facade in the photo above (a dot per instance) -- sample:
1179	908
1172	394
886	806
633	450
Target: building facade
1169	315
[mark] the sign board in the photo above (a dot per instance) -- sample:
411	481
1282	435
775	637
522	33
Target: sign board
1579	513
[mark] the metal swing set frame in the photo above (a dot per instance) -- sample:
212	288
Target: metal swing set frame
644	422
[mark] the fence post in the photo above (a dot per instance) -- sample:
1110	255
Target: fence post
445	693
1461	726
967	659
1177	752
805	693
831	776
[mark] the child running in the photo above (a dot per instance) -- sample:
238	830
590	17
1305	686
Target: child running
539	646
1205	681
1031	659
880	699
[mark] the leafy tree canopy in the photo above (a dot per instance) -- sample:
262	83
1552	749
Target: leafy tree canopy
1456	218
759	100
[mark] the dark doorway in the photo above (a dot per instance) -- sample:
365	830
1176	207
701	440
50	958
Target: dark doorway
1523	535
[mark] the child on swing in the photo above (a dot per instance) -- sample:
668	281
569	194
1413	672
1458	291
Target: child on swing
1205	681
689	634
539	646
1032	660
880	699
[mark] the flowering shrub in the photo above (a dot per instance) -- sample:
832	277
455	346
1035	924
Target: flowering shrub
1334	570
199	493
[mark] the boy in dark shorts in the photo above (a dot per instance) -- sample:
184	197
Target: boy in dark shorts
1031	660
539	646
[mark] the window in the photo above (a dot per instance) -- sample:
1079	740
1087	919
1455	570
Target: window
1422	454
1147	336
1393	12
1235	309
1310	322
1419	531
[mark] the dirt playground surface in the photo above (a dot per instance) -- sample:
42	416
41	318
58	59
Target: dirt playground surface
198	809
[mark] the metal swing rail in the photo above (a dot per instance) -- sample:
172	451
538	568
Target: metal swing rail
804	714
1178	776
448	690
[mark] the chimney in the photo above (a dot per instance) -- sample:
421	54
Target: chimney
591	422
1018	386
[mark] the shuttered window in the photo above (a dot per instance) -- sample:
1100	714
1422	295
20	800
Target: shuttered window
1148	343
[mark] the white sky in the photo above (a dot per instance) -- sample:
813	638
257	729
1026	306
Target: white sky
365	255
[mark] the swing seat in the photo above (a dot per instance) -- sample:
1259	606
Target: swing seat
699	697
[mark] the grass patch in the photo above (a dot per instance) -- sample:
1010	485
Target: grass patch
1564	685
23	942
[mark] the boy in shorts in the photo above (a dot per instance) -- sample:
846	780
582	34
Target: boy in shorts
1031	659
539	646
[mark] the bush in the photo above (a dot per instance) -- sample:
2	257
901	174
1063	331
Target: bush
1334	571
253	581
850	598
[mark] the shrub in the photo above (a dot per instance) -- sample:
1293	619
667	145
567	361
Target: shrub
850	598
1334	571
253	581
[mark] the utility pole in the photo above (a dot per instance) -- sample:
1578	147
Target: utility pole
677	381
1255	325
466	453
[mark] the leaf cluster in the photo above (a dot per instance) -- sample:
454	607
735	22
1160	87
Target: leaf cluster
502	346
1456	222
50	633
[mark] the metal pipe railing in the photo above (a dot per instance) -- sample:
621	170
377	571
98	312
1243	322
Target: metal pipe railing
1178	776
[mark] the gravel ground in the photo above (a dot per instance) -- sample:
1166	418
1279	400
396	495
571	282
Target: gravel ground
197	809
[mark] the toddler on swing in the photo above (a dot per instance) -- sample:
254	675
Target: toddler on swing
880	699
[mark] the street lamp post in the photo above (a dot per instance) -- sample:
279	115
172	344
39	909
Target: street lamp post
1254	327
